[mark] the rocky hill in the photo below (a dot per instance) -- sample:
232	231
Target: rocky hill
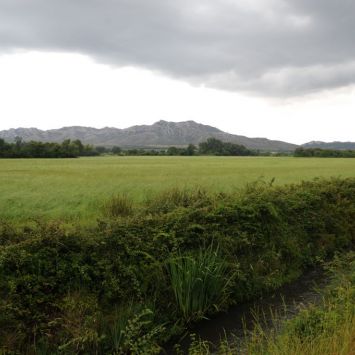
159	134
331	145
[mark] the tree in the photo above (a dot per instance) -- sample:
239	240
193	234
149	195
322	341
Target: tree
211	146
78	147
191	149
101	149
217	147
116	150
173	151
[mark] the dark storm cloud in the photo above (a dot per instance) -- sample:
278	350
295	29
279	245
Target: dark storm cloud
273	47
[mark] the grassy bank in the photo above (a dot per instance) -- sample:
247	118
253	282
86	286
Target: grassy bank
73	189
141	276
327	328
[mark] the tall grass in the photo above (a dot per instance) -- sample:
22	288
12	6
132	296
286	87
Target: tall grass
324	329
340	342
200	282
117	205
172	198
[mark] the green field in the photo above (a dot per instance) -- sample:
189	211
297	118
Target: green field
75	188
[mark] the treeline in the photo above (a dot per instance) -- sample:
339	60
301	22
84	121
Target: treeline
171	151
211	146
324	153
75	148
32	149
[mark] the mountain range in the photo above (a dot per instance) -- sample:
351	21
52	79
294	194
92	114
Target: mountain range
158	135
331	145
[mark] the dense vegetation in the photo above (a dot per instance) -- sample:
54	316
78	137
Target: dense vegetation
211	146
67	149
72	149
125	286
324	153
214	146
327	328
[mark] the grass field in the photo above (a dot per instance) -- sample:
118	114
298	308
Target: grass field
75	188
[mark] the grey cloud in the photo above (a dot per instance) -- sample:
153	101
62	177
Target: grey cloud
269	47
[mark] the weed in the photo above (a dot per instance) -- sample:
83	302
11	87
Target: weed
132	331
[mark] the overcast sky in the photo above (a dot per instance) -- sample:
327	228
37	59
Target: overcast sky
283	69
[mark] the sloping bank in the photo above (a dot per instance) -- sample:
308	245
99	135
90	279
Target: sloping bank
134	281
326	327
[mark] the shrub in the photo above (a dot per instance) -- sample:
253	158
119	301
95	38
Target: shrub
131	330
78	323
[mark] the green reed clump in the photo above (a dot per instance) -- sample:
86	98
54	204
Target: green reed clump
200	282
117	205
327	328
173	198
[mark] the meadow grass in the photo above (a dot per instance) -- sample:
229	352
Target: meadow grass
75	189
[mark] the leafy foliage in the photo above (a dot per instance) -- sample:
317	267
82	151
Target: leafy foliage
324	153
32	149
214	146
60	286
317	329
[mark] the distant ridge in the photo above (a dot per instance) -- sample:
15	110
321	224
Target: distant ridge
158	135
331	145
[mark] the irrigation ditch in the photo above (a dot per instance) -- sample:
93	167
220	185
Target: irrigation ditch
239	321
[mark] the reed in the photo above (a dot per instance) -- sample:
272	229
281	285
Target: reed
200	282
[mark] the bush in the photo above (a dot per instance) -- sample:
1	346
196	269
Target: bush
132	331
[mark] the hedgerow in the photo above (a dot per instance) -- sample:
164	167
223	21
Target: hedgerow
262	237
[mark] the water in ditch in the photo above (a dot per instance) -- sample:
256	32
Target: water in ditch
286	301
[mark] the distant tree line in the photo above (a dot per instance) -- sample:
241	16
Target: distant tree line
75	148
324	153
33	149
188	151
211	146
214	146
